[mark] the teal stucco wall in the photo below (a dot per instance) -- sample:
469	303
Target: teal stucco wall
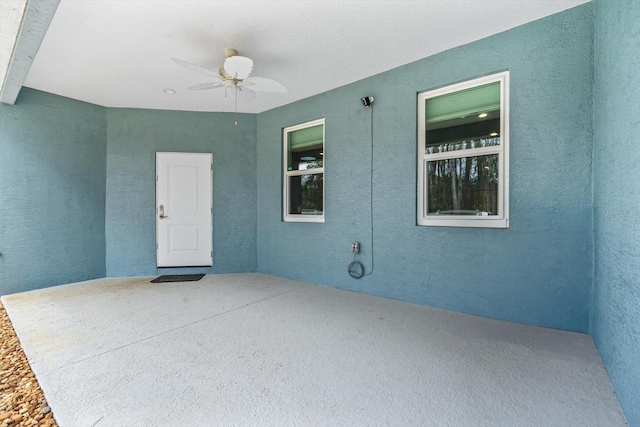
52	190
539	271
134	136
615	322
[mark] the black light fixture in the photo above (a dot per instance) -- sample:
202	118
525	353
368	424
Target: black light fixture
367	101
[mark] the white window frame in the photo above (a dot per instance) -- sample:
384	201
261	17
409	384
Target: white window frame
495	221
287	173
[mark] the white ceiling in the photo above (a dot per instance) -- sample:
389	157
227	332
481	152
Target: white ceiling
117	53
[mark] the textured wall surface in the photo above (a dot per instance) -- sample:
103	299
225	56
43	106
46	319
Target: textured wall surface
134	136
52	189
539	271
616	300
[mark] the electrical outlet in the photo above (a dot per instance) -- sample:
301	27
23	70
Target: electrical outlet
355	247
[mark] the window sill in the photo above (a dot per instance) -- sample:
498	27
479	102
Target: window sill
477	222
304	218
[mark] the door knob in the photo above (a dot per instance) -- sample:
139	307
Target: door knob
162	215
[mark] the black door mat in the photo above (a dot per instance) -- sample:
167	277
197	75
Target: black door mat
178	278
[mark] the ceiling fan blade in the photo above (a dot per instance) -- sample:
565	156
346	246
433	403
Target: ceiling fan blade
247	93
238	66
263	84
196	68
205	86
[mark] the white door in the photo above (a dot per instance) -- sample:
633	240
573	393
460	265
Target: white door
183	209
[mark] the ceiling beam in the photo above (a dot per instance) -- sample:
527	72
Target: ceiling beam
35	23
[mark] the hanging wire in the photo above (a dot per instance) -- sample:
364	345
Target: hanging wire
371	193
236	122
356	269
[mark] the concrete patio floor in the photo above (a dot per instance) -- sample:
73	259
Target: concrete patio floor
256	350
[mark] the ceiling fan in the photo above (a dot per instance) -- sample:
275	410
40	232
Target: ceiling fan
234	74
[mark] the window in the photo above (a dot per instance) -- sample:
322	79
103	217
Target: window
304	172
463	154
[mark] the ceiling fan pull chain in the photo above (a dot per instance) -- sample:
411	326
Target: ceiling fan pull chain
236	123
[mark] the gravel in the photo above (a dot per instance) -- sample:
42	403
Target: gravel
22	402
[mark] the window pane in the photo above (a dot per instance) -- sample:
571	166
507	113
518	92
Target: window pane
305	194
465	144
304	148
462	120
463	186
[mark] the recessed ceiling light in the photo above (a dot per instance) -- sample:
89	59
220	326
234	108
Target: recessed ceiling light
168	90
493	134
307	158
482	115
